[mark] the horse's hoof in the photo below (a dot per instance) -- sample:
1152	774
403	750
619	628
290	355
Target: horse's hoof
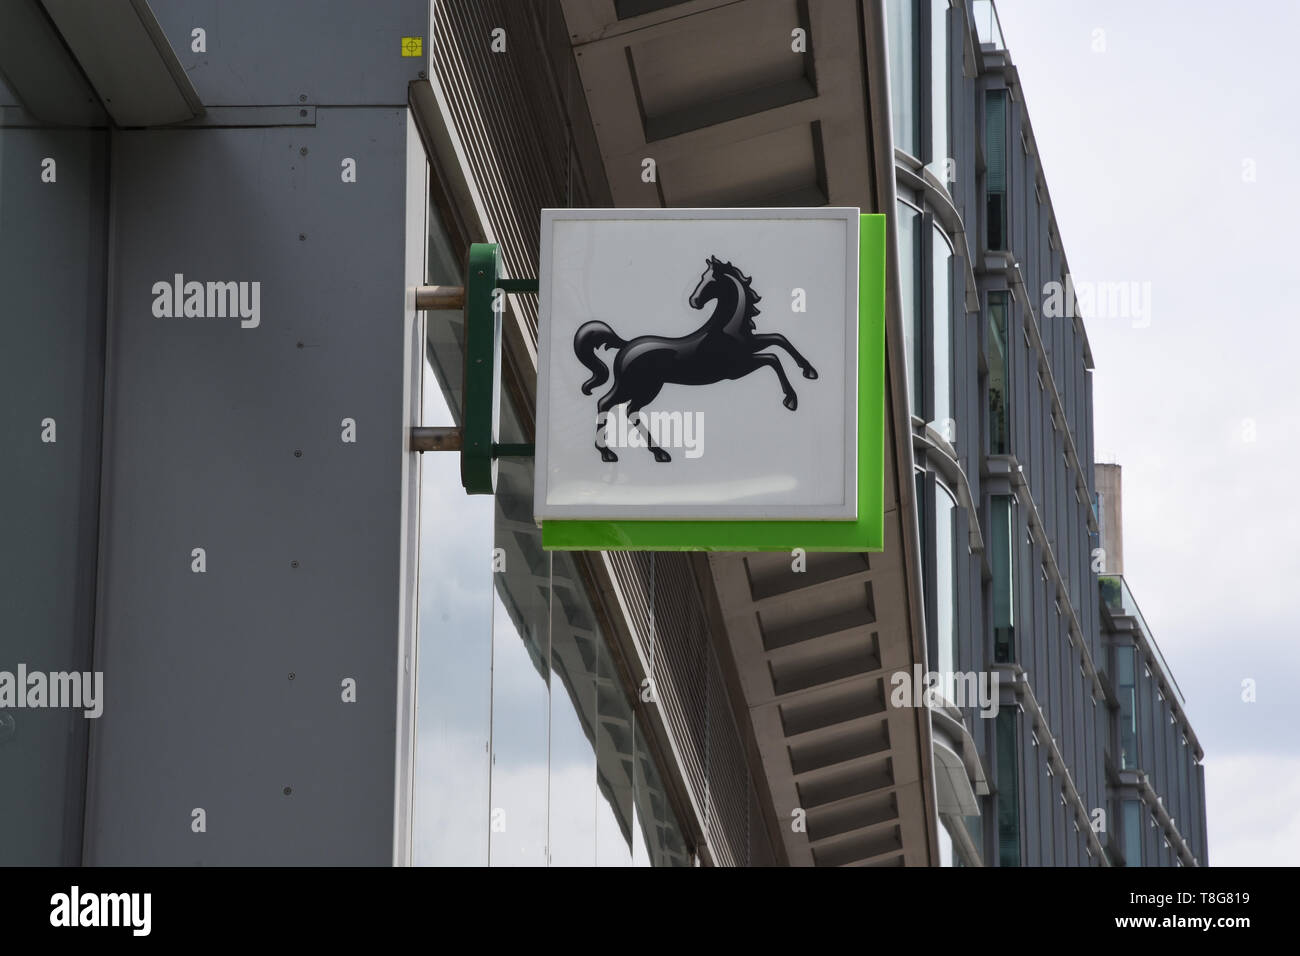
661	455
607	455
791	401
810	372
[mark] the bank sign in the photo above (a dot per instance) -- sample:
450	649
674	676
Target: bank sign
711	379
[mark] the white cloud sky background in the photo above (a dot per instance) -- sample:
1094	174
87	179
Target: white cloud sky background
1144	147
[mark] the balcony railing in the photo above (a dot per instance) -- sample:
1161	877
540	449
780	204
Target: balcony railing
987	26
1119	599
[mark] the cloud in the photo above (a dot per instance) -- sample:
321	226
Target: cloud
1254	810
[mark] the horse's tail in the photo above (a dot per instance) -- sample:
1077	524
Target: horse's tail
589	337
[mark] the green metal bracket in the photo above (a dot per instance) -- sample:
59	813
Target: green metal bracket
482	382
525	450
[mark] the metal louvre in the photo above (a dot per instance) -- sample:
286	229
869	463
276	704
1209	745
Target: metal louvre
509	113
671	631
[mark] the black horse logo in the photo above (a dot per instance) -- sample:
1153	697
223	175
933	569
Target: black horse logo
724	347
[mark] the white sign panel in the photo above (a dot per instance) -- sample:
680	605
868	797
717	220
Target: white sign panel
698	364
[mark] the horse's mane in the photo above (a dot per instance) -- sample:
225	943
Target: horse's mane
726	268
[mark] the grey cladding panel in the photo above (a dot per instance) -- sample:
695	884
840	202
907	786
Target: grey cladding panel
274	52
204	420
52	310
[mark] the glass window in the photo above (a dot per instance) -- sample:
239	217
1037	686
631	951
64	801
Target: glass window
909	267
944	633
975	829
575	726
1124	669
999	412
615	765
522	728
527	741
995	182
939	88
658	840
1001	537
1008	789
900	16
454	656
1132	833
941	318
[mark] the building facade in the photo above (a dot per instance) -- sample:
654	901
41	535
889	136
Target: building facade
1153	757
511	705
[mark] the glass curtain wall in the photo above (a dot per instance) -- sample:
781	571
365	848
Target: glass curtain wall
1008	777
944	632
909	265
529	750
941	334
995	176
999	411
910	53
1126	678
1002	561
1132	833
939	90
900	17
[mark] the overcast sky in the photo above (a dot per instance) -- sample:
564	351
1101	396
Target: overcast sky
1170	141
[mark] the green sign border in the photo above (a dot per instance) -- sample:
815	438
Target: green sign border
865	534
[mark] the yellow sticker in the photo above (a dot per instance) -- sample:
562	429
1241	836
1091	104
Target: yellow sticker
412	46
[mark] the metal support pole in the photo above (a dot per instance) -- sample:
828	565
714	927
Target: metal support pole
439	438
436	297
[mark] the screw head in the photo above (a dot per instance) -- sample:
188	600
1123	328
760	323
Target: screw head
288	790
303	151
297	453
302	97
293	564
292	675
